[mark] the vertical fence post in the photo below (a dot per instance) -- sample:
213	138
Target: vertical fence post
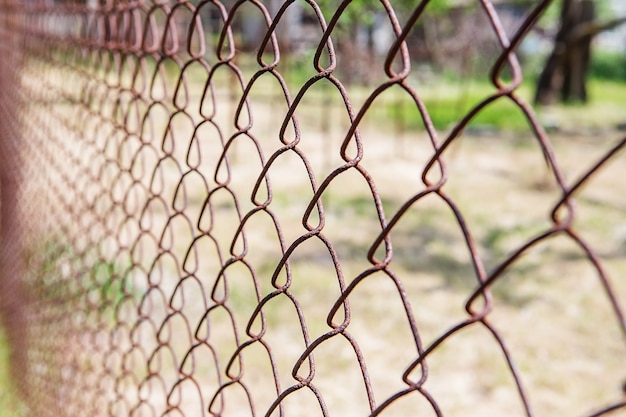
12	268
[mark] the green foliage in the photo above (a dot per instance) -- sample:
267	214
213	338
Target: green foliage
60	276
608	66
110	285
363	11
441	6
357	10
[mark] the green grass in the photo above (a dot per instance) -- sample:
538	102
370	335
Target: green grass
608	65
9	405
448	101
448	105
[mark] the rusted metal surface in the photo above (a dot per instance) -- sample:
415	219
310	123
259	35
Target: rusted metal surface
193	241
12	313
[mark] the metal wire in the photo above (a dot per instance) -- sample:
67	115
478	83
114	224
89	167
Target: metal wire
208	229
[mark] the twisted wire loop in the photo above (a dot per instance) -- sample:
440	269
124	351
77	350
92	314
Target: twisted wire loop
216	221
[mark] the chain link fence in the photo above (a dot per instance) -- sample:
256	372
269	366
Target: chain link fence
208	209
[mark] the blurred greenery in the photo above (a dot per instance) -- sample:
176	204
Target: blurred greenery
63	277
446	107
608	66
447	102
9	405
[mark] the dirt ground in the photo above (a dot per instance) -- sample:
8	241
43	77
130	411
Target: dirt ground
550	308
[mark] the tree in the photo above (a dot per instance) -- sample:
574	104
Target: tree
565	72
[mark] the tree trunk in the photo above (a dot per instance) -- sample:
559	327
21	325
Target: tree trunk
565	71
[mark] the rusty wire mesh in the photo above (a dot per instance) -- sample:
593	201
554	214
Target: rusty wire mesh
201	235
